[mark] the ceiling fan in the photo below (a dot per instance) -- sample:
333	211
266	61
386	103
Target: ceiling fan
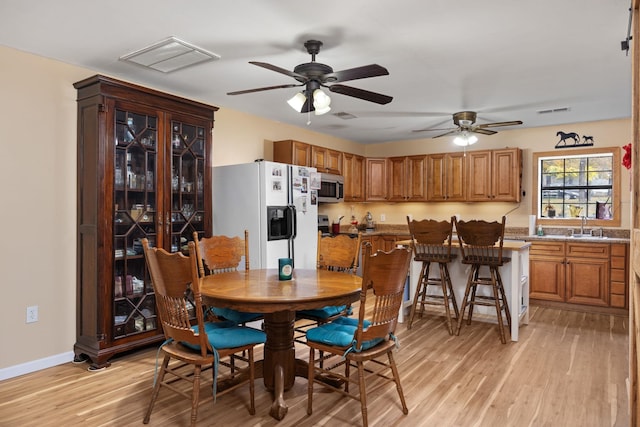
465	122
314	75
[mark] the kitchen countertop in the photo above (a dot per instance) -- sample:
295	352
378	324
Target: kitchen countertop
565	238
512	233
512	245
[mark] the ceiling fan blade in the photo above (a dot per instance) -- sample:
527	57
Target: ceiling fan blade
260	89
378	98
435	127
432	129
491	125
366	71
280	70
482	131
447	133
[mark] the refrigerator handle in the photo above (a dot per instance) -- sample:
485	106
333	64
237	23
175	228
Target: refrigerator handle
294	233
294	221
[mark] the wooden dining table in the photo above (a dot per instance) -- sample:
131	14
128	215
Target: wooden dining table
262	291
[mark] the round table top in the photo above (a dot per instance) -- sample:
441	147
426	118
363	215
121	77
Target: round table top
263	291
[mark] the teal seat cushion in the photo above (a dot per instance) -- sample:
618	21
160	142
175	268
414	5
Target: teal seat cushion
235	315
229	335
210	326
325	312
340	333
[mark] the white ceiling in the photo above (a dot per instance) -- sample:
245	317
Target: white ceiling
504	59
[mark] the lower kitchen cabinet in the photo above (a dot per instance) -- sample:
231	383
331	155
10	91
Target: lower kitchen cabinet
547	271
382	242
587	273
619	256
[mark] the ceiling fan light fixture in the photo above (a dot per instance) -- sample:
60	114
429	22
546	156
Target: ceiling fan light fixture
465	139
321	102
297	102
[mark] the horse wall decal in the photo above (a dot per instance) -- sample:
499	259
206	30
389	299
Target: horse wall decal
564	136
587	138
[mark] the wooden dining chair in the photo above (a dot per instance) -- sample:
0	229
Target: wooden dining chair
335	253
431	242
481	246
193	342
219	254
364	341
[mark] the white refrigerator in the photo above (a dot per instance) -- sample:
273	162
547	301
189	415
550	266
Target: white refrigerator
276	203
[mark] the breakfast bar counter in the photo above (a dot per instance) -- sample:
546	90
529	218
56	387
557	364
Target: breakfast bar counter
515	277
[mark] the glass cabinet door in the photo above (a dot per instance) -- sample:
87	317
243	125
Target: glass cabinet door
135	210
187	183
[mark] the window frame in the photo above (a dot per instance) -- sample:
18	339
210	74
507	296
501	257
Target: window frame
615	221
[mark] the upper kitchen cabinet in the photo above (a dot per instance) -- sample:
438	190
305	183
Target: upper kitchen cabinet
494	175
326	160
446	174
407	178
144	171
292	152
376	184
353	170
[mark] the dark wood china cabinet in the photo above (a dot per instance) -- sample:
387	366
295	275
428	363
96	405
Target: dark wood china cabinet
144	170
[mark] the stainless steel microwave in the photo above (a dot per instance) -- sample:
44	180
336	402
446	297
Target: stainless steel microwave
331	188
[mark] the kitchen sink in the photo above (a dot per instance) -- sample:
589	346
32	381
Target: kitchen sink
575	236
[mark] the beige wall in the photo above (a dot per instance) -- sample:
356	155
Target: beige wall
38	171
610	133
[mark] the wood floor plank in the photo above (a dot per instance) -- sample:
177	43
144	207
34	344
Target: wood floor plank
568	369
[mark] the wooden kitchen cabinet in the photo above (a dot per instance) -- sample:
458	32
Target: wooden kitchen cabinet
588	273
407	178
144	171
584	273
326	160
292	152
618	292
494	175
547	271
382	242
446	174
376	184
353	171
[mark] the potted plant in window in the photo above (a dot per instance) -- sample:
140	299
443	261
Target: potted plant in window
550	210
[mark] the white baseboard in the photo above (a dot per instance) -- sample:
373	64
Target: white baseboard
35	365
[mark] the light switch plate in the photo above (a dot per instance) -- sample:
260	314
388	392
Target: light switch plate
32	314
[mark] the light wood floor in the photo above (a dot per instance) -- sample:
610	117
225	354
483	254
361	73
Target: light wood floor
568	369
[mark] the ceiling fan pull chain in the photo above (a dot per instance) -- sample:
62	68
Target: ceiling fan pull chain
308	117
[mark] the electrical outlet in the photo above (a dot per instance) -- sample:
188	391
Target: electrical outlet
383	217
32	314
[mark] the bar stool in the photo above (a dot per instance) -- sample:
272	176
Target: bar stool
432	244
481	246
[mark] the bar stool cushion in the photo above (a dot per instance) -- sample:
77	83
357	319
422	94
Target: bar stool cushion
340	333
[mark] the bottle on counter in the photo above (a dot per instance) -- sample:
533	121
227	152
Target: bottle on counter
540	232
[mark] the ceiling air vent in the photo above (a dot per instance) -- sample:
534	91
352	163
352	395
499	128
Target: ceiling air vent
169	55
554	110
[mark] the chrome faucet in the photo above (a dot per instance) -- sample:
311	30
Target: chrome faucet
583	224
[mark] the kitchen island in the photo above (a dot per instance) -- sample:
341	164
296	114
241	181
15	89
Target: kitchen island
515	278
